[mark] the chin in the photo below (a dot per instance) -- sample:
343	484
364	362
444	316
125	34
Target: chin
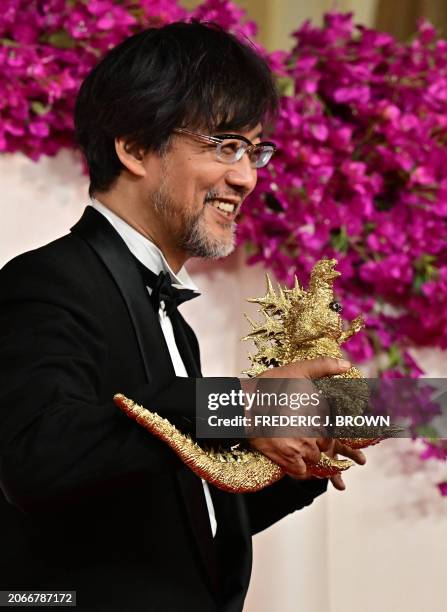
213	249
202	241
217	251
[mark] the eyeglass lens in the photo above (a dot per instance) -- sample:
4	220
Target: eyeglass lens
232	150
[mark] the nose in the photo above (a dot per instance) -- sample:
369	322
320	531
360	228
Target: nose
242	175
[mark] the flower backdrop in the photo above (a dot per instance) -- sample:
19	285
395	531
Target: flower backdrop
359	174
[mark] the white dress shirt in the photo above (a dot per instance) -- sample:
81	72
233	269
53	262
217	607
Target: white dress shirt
150	256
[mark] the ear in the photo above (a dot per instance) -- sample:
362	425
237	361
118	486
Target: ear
130	156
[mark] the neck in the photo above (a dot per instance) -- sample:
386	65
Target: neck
147	224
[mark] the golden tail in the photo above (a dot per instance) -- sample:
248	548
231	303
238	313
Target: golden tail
235	470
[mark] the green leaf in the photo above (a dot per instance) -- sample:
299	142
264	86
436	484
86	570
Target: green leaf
427	431
381	204
430	196
394	356
61	40
340	239
418	280
7	42
423	261
286	86
39	108
424	270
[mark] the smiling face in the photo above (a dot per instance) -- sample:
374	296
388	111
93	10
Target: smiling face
196	197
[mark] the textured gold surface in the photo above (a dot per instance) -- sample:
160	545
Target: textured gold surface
233	470
329	466
297	325
300	324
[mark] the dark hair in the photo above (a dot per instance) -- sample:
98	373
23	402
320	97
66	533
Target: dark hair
192	75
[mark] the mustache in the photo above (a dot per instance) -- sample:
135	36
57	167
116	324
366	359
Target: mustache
215	195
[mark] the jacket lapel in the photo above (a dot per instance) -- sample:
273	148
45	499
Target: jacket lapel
116	257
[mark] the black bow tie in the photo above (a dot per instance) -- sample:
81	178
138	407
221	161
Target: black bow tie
163	291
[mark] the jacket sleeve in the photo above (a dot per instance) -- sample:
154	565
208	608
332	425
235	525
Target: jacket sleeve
56	438
271	504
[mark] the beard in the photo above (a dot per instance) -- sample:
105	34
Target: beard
192	234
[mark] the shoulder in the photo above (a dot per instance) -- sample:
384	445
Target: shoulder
66	265
69	247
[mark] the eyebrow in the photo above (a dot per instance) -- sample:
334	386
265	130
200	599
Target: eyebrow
257	135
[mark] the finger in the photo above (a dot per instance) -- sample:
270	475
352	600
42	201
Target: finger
308	450
306	476
358	457
323	366
354	454
299	467
338	483
324	444
296	467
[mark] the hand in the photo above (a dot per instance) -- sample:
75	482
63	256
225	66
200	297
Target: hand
337	448
292	453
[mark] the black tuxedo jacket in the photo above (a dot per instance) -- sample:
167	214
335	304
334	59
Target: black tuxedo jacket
89	500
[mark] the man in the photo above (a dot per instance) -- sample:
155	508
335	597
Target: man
170	124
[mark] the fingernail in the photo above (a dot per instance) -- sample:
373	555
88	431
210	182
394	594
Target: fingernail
344	364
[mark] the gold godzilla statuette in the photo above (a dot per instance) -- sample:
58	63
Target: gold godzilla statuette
297	325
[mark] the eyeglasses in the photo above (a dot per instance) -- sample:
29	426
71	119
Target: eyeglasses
231	147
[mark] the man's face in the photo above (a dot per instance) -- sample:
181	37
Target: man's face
198	197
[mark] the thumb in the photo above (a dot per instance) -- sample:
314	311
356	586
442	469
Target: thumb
324	366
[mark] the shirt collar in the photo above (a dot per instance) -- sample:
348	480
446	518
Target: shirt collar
144	249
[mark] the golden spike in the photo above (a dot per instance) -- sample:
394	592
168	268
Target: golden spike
250	321
269	286
296	292
270	328
355	326
283	300
269	300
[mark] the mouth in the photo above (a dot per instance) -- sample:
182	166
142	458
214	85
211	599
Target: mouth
227	209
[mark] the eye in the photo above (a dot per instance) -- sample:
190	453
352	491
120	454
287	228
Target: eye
336	306
230	147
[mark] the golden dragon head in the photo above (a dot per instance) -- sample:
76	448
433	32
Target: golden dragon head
299	323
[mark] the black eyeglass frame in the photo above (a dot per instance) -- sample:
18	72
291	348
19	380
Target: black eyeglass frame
218	139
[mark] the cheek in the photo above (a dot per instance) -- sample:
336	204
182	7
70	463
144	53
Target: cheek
210	179
190	181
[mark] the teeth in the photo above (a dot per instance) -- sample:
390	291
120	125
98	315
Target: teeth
225	206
